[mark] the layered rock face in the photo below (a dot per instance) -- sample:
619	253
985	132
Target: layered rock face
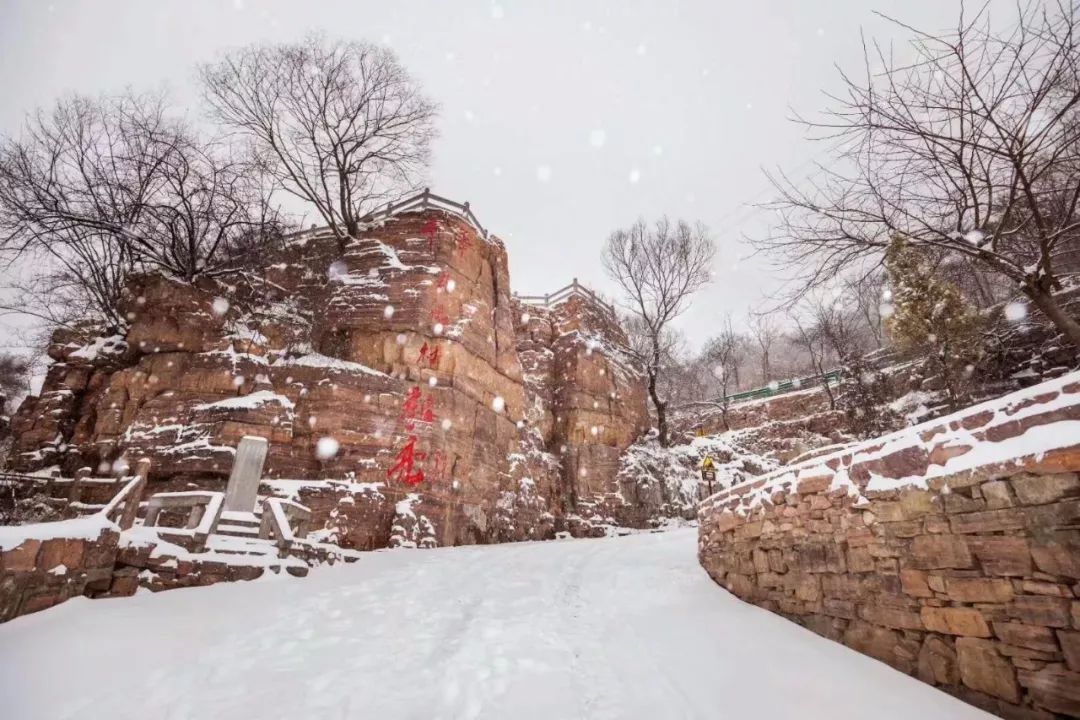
949	550
390	369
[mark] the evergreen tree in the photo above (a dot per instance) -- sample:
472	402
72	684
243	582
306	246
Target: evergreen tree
931	318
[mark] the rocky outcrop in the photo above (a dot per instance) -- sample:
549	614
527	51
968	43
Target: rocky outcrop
394	365
949	550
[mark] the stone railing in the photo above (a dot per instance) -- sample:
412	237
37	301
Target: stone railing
574	289
950	550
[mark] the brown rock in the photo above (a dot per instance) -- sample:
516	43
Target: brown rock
1057	553
983	669
23	557
930	552
1002	555
1028	636
1054	689
914	583
988	521
895	618
1042	489
1040	610
62	551
955	621
996	493
974	590
874	641
1070	645
937	662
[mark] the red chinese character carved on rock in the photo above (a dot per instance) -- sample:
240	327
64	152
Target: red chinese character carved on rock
462	241
430	230
429	355
406	460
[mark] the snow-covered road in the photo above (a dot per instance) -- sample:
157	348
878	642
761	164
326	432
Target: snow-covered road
618	628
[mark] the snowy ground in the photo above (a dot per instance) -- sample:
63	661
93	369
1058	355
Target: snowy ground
617	628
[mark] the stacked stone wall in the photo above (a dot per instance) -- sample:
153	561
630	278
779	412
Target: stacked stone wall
963	572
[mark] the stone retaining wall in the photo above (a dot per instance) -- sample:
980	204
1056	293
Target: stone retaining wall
950	551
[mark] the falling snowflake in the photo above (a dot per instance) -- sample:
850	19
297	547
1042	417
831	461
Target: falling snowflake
388	312
520	424
635	175
120	466
641	49
402	339
498	404
1016	311
525	317
446	424
796	383
220	306
594	430
597	138
238	380
337	270
886	309
543	173
326	448
437	329
774	386
451	285
433	381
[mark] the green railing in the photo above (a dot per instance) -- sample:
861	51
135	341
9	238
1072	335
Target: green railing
779	388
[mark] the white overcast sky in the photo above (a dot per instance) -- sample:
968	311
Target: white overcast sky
635	109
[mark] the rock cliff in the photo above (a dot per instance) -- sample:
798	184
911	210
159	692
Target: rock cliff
403	388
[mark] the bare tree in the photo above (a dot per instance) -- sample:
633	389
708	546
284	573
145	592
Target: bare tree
658	268
100	188
764	331
339	125
723	353
811	338
972	148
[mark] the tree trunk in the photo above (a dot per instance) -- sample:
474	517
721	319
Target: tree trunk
1066	324
661	410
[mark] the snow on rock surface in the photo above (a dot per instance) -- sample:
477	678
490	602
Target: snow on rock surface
82	528
619	628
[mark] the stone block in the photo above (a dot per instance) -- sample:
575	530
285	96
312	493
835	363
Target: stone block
984	670
1070	646
988	521
1054	689
1057	553
979	590
839	608
62	551
816	484
955	621
23	557
1028	636
859	560
997	495
916	503
914	583
890	617
937	662
930	552
874	641
1040	610
1002	555
1042	489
